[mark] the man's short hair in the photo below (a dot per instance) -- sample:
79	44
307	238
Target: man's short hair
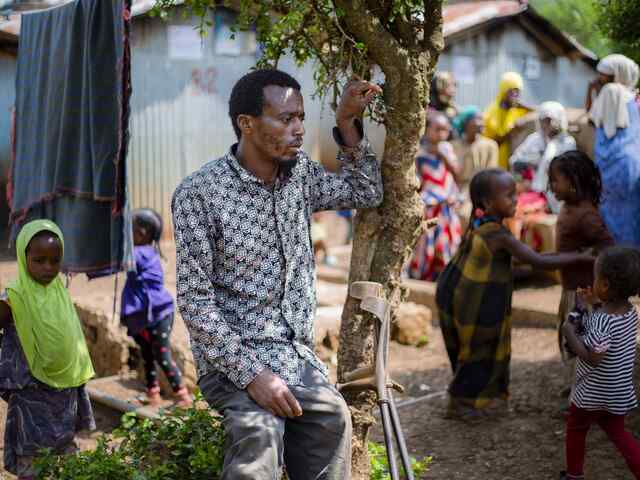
247	96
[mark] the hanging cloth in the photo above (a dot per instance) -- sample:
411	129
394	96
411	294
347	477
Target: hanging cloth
72	108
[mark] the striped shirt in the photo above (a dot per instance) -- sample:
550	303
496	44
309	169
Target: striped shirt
609	386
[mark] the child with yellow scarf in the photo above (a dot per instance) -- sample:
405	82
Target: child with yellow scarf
44	360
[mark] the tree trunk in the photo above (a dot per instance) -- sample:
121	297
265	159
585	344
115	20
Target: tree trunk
384	237
382	243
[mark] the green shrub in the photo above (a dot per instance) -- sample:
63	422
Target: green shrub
380	464
180	444
103	463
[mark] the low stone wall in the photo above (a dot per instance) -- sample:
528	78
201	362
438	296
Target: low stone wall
108	342
114	353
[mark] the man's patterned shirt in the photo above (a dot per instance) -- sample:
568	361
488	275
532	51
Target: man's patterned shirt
245	263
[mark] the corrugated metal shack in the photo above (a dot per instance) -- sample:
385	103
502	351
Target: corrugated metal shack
486	38
181	84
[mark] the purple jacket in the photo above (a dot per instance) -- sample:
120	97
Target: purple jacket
145	301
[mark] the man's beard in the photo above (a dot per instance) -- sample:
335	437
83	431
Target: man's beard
287	165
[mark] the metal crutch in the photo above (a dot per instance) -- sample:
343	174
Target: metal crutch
376	377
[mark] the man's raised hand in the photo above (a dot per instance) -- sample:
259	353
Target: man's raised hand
356	96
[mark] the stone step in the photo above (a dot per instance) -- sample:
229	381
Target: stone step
123	393
537	308
532	307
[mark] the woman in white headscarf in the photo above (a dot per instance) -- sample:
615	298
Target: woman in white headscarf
530	164
614	68
531	159
617	150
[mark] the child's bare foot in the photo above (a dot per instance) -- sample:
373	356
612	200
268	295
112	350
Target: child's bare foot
183	398
153	397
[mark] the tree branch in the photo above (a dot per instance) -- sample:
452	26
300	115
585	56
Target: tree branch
298	31
433	25
384	49
406	32
344	34
401	28
381	9
324	19
318	51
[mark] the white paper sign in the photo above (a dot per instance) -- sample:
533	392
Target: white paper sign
225	45
464	70
185	43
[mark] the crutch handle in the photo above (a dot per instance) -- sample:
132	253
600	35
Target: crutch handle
376	305
357	385
361	290
359	373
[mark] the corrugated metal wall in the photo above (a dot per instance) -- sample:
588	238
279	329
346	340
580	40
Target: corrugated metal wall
180	116
7	99
509	47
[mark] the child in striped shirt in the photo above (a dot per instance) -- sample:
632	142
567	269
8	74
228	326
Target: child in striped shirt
603	391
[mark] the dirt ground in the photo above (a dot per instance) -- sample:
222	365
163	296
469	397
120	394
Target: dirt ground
525	444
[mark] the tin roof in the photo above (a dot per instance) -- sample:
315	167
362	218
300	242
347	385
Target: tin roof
462	19
10	27
460	16
459	20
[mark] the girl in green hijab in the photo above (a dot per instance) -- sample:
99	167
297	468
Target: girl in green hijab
44	360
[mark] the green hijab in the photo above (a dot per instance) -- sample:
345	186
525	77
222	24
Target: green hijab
47	322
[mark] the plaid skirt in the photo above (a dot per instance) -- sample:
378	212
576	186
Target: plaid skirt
474	306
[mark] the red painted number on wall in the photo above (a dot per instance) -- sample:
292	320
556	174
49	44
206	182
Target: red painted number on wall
204	80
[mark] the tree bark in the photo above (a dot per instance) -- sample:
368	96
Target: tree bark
384	237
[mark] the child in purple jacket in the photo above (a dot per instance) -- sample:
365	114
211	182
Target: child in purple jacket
148	310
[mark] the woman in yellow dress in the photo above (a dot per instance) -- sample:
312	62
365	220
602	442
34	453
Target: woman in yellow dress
501	116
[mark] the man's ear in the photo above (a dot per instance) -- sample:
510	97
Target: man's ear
245	124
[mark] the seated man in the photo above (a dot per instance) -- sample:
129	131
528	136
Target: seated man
245	279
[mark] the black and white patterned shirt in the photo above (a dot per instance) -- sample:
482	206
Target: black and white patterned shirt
245	264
